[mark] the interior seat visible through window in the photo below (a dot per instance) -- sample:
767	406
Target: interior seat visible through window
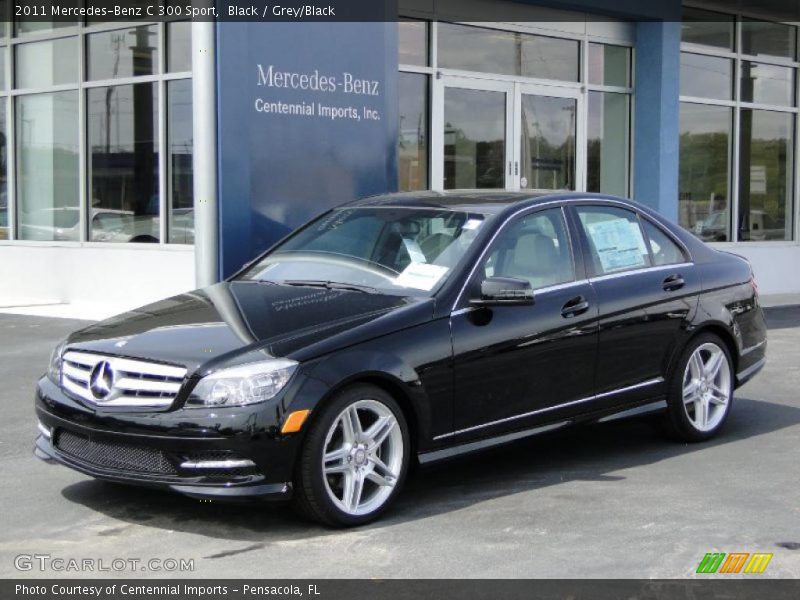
535	249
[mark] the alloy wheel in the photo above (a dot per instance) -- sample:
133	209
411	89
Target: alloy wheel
707	386
363	457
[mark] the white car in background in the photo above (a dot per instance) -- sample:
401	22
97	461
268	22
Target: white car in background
108	225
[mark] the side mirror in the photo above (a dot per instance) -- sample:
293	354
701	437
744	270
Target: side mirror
501	291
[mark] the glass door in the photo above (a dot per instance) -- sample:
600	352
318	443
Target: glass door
475	130
490	134
548	125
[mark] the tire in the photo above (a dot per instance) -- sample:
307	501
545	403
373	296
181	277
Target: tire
366	463
700	395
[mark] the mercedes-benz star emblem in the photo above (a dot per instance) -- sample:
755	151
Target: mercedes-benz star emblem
101	380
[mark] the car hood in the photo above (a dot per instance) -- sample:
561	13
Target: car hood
231	322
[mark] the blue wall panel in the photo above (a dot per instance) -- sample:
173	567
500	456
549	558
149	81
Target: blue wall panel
655	135
277	170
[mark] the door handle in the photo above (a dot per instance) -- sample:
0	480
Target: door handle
575	306
673	282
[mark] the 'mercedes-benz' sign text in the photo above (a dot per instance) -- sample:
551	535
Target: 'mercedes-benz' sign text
344	85
347	84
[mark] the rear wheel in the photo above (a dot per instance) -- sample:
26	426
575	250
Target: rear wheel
354	459
701	390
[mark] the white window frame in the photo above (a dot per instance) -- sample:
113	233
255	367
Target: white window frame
558	88
80	31
737	105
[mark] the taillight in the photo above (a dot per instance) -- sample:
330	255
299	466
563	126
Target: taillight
753	282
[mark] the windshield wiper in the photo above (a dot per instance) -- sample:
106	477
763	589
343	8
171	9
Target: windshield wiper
331	285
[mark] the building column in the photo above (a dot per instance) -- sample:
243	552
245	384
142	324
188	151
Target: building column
204	119
657	118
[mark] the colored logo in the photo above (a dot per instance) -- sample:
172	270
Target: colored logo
101	380
735	562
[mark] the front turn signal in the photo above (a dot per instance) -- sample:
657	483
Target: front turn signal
294	422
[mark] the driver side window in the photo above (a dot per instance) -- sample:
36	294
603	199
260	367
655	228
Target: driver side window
535	248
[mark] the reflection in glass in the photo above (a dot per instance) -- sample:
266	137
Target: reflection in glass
609	65
458	43
47	166
179	161
704	173
507	52
548	58
412	150
4	227
123	163
474	139
548	143
764	38
40	64
179	46
5	17
122	53
2	68
29	26
707	28
706	76
607	144
767	84
765	175
413	42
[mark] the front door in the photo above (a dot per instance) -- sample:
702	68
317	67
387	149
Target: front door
506	135
515	366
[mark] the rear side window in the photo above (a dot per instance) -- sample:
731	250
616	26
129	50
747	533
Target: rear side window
662	248
615	239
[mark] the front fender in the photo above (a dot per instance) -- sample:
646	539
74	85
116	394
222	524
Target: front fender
386	370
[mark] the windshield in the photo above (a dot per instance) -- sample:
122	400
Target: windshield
406	251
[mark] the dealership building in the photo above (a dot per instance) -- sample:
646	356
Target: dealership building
142	159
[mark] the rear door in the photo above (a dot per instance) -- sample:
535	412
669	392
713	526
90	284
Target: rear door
645	299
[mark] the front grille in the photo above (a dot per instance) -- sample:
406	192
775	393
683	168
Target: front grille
123	382
111	455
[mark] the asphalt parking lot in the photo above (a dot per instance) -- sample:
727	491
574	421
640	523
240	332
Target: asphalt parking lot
609	500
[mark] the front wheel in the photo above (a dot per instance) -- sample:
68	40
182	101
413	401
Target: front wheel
354	459
701	390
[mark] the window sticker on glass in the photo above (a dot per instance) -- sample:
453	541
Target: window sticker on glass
472	224
421	276
619	244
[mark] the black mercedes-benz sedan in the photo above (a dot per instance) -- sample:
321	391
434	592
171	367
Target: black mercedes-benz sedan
403	328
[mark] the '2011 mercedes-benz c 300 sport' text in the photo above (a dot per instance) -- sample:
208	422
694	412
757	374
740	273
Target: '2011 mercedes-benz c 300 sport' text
400	328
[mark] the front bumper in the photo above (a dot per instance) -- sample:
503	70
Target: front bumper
224	454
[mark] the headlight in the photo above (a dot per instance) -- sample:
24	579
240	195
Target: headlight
245	384
54	368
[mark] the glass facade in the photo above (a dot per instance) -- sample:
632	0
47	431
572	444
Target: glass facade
569	138
99	120
738	127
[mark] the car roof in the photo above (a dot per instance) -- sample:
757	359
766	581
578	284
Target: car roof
480	201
